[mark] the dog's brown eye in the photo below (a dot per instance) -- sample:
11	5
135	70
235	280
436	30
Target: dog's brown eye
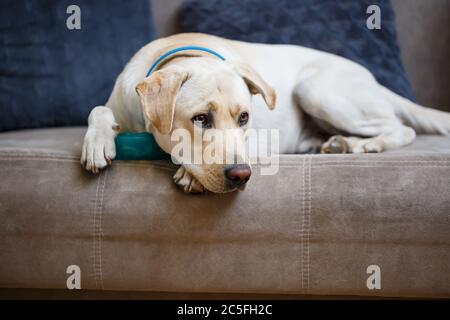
202	119
243	119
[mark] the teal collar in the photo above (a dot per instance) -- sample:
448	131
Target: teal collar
171	52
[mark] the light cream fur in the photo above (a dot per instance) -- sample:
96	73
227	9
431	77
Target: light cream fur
340	97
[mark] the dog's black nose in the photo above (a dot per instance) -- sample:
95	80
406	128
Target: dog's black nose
238	174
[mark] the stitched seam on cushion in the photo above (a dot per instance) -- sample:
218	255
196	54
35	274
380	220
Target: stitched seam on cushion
385	161
320	159
369	165
308	234
36	154
381	166
100	228
94	228
417	164
319	162
302	226
302	209
38	159
148	165
384	158
282	163
381	156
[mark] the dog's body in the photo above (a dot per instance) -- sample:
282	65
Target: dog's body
331	93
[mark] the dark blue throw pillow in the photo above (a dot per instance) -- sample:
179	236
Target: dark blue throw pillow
53	76
337	27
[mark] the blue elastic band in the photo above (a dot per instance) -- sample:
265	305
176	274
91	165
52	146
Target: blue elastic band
182	49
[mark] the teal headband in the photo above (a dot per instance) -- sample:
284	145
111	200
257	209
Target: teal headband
171	52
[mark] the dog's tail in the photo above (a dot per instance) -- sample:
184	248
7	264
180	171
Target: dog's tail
421	119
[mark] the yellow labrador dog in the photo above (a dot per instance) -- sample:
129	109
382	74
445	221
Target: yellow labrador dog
212	88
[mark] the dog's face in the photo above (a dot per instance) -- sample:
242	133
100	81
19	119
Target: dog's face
210	100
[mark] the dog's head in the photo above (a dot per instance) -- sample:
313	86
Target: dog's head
210	100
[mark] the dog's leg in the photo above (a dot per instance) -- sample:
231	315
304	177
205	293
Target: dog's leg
363	113
396	137
99	148
186	181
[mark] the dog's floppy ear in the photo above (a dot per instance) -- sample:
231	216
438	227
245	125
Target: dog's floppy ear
256	84
158	93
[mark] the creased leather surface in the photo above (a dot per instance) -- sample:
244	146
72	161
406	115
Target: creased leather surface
313	228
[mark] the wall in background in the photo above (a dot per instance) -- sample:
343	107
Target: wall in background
424	36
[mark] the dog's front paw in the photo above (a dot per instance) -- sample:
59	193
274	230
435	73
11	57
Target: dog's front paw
187	182
99	149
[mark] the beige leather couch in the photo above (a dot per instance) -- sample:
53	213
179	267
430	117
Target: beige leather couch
313	229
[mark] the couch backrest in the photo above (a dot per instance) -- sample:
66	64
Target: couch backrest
424	36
